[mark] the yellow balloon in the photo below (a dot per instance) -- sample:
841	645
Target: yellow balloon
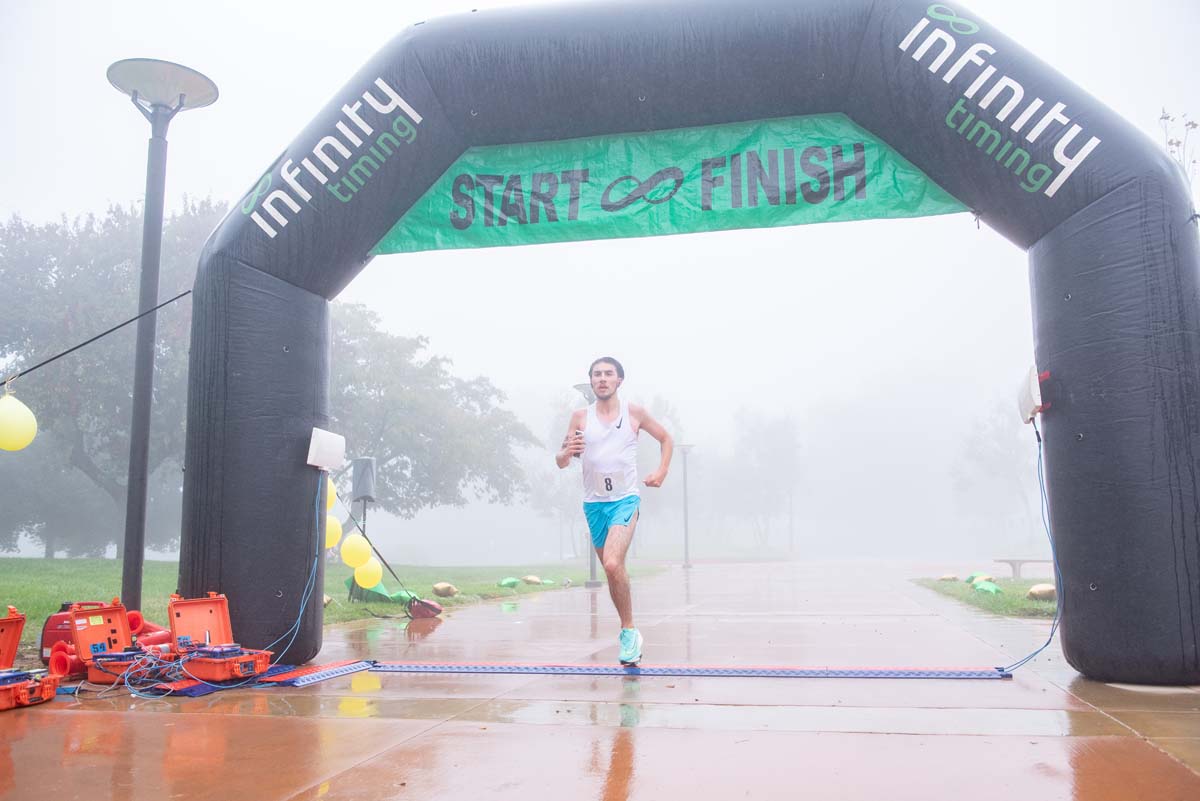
330	494
356	551
369	574
18	426
333	531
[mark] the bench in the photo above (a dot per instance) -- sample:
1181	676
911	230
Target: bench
1016	564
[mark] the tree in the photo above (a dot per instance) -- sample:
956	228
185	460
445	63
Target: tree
766	470
554	493
436	438
667	500
1178	143
65	282
995	478
43	469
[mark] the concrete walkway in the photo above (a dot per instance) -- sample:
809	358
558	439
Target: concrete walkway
1047	734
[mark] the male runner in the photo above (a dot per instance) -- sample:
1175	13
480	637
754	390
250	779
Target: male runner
605	436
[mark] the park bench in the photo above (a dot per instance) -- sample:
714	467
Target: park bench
1016	564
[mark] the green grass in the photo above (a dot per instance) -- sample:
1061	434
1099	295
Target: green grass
1011	602
475	584
37	587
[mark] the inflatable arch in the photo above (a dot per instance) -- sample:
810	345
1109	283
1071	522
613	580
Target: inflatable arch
679	116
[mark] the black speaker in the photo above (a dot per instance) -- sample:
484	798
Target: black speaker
364	479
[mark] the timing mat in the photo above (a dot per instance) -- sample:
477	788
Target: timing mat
696	670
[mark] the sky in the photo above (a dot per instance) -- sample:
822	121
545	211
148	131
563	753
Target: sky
889	341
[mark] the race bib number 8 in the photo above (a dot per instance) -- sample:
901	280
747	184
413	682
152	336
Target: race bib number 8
610	484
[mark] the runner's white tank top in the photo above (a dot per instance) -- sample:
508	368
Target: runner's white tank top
609	457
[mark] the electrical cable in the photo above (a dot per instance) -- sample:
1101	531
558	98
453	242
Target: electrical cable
29	370
1045	509
149	669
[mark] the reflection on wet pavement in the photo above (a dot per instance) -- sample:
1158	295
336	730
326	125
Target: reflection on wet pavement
1046	734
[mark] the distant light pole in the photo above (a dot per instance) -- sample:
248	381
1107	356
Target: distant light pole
684	449
588	395
159	90
791	522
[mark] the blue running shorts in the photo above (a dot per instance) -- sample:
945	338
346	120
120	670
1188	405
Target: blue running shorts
603	515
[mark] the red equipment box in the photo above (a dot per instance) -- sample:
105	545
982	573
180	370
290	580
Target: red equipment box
201	631
20	689
99	629
10	636
57	628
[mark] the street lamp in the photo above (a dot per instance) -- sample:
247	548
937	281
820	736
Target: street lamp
588	395
684	449
159	90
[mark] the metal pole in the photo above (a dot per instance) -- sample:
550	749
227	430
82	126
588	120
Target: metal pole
592	581
791	523
143	374
687	561
356	592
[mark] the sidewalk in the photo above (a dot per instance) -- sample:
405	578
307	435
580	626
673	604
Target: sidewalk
1047	734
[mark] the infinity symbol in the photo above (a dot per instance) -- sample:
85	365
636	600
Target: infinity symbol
264	184
960	25
643	189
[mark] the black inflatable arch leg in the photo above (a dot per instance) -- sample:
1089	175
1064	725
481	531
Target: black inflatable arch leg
1116	320
258	383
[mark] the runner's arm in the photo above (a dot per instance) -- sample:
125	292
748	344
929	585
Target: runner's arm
665	441
572	444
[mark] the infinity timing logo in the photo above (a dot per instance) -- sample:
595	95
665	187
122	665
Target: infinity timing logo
984	136
344	142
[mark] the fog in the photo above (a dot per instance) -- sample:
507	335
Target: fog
894	347
887	358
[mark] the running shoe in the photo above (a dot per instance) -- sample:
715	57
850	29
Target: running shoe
631	647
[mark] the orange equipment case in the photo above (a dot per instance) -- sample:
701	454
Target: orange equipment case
202	633
10	636
98	629
18	688
26	691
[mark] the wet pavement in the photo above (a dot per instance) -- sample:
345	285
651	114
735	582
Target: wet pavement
1046	734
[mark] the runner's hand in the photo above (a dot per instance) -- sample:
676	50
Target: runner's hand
655	479
573	445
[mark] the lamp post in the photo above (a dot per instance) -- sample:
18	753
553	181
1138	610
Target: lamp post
791	523
684	449
159	90
592	582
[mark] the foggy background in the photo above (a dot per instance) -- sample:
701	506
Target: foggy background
888	353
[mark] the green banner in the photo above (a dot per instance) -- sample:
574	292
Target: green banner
788	171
